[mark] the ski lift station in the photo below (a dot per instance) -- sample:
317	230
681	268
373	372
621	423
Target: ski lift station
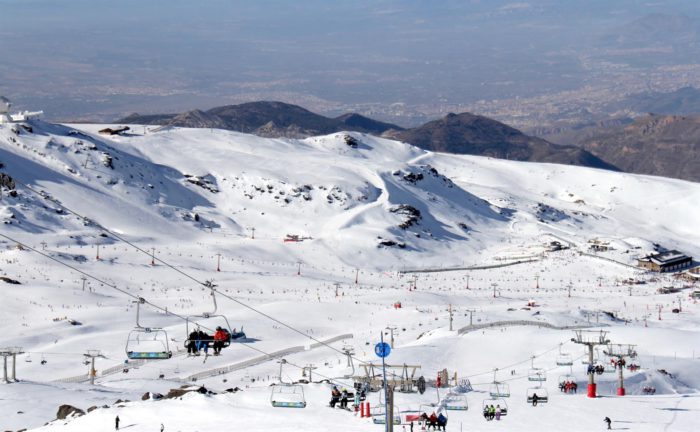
7	117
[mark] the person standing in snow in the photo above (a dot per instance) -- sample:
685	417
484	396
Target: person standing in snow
608	421
162	428
116	423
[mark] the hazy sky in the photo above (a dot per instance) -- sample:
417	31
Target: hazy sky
94	58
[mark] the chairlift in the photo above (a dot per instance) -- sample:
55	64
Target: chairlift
214	320
536	374
456	402
498	389
496	402
541	392
28	358
564	358
147	343
379	415
287	395
564	379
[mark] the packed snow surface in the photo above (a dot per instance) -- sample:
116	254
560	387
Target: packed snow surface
319	240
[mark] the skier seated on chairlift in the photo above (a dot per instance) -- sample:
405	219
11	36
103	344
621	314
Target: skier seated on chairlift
220	338
433	420
344	399
335	396
193	340
203	341
442	422
535	399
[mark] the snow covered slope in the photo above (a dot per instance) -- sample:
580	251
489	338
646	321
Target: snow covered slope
355	211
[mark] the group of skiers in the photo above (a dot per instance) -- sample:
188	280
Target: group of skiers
435	421
595	369
491	412
339	398
568	387
199	341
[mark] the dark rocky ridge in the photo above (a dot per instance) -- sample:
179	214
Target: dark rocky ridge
667	146
477	135
267	119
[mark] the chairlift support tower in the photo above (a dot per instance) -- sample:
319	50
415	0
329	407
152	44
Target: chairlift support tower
5	353
92	355
591	339
620	352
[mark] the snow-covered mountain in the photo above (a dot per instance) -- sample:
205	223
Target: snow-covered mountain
349	192
354	210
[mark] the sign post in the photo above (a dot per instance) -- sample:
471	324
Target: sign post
382	350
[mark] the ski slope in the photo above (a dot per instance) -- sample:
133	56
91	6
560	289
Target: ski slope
196	198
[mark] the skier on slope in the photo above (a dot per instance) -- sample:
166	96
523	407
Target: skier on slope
116	423
608	421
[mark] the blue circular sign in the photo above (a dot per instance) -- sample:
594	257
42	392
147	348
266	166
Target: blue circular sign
382	349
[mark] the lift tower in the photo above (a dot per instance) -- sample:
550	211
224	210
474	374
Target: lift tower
590	339
618	352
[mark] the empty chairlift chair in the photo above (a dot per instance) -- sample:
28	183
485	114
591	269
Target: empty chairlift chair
536	374
456	402
498	389
379	415
285	395
564	358
288	396
147	343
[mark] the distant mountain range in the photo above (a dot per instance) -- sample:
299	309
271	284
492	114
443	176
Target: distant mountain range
662	145
455	133
477	135
266	119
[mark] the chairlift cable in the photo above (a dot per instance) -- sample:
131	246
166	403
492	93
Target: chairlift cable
182	272
155	306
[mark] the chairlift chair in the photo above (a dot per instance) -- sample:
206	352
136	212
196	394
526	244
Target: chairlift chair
541	392
495	401
498	389
147	343
288	396
379	415
564	358
456	402
218	321
536	374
